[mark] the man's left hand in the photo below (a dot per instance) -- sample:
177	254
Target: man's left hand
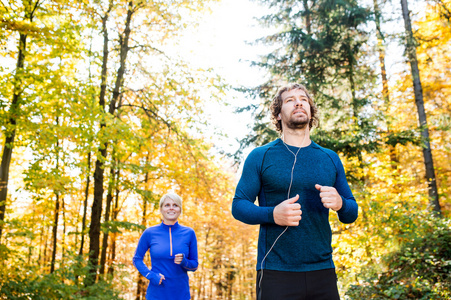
329	197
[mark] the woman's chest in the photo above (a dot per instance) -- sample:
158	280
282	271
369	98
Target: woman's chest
168	244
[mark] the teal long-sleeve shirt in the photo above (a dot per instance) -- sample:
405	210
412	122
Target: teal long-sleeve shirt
164	242
266	175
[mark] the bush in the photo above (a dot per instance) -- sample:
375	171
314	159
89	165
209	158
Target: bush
25	282
420	269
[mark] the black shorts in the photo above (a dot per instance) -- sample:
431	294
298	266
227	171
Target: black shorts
312	285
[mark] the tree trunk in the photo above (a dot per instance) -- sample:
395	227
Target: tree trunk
85	206
114	218
96	210
385	91
381	51
99	172
54	233
63	240
41	242
10	134
109	200
418	90
140	290
47	229
112	254
123	40
308	21
57	208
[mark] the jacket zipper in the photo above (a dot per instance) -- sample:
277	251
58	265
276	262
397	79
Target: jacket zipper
170	240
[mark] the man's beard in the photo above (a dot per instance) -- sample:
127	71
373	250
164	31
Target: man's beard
298	124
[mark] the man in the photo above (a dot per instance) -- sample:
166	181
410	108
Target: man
297	182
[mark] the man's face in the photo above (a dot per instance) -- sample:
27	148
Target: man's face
295	111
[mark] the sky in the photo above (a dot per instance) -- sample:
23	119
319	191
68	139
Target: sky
221	42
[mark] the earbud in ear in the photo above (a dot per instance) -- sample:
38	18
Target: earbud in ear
279	117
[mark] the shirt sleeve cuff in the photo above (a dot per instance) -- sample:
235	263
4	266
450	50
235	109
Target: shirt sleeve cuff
271	215
343	205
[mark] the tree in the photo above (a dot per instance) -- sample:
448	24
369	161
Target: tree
418	90
158	114
132	41
381	50
320	43
417	270
96	210
24	27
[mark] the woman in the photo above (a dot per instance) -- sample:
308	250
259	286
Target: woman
173	252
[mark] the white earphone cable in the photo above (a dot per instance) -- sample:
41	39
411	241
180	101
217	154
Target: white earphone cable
288	196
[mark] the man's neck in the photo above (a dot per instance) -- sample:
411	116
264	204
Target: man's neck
297	138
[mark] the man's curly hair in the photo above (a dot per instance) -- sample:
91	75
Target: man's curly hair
276	106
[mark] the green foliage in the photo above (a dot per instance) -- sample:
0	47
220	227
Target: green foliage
420	269
351	143
20	281
322	45
366	138
324	41
115	226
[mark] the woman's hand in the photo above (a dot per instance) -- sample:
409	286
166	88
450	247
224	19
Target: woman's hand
161	278
178	258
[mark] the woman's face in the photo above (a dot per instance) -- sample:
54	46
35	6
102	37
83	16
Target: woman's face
170	211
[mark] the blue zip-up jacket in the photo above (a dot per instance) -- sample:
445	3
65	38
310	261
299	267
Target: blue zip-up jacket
266	175
164	242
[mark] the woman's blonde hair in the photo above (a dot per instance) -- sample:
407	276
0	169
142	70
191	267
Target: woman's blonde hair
176	198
